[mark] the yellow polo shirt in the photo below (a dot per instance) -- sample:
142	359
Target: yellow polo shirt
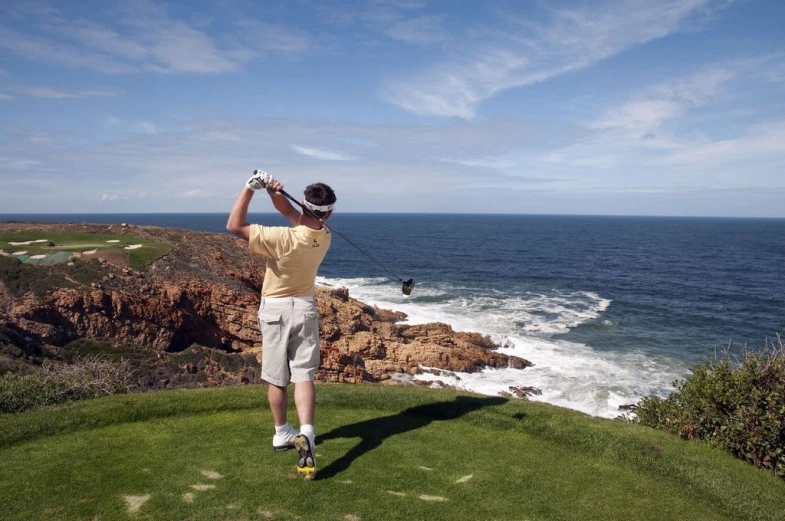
293	258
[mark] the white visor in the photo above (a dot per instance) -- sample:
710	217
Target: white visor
315	208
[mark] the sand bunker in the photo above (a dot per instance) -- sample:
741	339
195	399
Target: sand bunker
38	257
211	474
465	478
28	243
188	497
19	252
201	487
90	252
113	240
425	497
132	247
135	502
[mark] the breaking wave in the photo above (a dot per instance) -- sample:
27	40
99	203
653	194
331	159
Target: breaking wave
569	374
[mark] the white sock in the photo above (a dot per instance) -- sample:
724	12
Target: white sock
283	429
308	431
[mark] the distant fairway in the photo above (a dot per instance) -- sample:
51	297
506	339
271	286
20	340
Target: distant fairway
384	453
122	248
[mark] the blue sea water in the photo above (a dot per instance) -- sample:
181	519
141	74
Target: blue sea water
609	309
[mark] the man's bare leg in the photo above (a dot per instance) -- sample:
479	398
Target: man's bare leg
305	401
279	401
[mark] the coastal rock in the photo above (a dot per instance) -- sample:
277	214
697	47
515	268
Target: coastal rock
205	292
524	392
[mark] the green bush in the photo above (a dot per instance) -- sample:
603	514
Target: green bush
88	377
738	406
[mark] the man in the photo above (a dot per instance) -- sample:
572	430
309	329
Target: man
287	315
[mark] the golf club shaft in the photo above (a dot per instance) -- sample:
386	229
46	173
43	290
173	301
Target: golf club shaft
298	203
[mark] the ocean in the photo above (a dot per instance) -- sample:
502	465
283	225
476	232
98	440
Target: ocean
609	309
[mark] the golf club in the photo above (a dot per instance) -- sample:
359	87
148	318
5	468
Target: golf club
407	285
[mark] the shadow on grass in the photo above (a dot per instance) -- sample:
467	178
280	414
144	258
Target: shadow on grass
373	432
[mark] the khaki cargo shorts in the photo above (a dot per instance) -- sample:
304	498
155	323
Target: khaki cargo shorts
290	340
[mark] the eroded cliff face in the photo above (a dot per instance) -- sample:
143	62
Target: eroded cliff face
205	293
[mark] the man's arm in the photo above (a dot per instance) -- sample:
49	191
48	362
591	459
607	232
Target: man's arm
282	204
237	217
237	223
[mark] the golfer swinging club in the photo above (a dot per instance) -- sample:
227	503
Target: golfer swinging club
287	315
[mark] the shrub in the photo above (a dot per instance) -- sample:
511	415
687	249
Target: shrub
738	406
88	377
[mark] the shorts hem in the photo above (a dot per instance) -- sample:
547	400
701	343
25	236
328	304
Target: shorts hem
303	378
280	382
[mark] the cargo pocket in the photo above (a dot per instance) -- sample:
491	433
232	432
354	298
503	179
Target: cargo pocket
311	326
270	324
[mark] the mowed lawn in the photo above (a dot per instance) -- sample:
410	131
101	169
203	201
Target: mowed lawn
384	452
79	242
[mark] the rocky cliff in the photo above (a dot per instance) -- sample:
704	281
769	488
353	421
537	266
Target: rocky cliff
202	297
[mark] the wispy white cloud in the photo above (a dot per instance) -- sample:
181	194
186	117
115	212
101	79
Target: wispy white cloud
47	50
526	53
666	100
760	142
6	97
263	37
192	194
109	197
47	92
140	127
662	140
420	30
481	162
146	127
217	157
145	38
325	155
16	163
375	13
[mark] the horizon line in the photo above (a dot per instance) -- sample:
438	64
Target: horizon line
25	214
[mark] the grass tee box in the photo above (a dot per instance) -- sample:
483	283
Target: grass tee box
35	246
383	453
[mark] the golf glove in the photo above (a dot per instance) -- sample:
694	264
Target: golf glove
260	179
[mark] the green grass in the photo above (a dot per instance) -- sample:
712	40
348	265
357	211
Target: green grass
66	240
528	461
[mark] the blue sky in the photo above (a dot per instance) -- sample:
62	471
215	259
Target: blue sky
629	107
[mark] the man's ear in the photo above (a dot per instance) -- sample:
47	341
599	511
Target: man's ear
327	215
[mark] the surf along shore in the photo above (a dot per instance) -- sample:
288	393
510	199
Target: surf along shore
181	305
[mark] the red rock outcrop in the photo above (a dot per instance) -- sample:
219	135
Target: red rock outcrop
205	292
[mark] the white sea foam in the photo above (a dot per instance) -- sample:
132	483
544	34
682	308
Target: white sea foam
569	374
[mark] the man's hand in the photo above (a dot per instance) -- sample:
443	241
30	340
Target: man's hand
274	187
260	179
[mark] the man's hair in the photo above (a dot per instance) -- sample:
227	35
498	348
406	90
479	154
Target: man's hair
321	195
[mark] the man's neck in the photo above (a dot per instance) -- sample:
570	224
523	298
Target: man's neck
310	222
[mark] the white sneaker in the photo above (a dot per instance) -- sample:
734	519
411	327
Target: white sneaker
285	441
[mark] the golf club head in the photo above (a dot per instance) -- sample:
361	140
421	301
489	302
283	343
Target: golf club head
408	285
